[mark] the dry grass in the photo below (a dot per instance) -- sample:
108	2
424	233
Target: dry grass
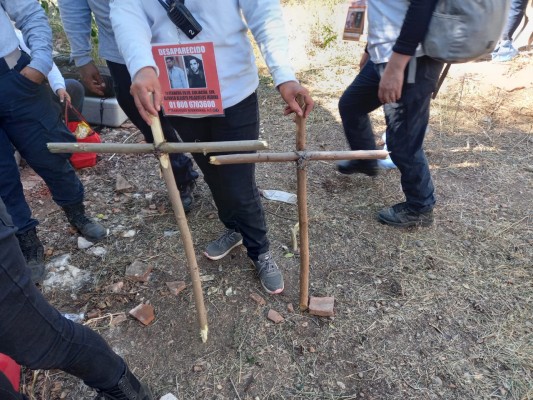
437	313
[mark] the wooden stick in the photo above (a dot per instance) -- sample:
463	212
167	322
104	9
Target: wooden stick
301	192
186	237
295	156
211	147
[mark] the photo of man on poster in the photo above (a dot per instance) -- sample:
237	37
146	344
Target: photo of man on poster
195	71
176	75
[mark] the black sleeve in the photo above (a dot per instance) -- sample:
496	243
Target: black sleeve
415	26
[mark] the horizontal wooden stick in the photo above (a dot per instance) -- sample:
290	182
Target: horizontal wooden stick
198	147
295	156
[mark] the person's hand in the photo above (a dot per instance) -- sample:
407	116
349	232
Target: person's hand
363	61
145	83
289	91
33	75
63	95
91	78
391	83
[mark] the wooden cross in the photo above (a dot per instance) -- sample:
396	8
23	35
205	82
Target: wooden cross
162	149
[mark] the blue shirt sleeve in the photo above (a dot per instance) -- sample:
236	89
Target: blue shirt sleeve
31	19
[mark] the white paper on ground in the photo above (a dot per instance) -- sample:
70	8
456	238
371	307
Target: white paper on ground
278	195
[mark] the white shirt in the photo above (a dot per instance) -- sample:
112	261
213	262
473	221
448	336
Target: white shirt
137	24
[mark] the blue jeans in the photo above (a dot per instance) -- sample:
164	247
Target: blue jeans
181	164
516	13
36	335
29	118
407	121
232	186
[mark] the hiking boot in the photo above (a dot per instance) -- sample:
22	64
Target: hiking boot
220	247
269	274
33	252
349	167
92	231
187	198
127	388
400	215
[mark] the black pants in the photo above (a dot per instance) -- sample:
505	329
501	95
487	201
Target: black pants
36	335
232	186
181	164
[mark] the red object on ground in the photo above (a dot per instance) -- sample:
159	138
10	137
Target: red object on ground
84	160
11	370
81	160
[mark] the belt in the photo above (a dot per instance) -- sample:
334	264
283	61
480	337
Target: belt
12	58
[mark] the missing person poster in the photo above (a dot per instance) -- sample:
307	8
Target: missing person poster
189	79
355	21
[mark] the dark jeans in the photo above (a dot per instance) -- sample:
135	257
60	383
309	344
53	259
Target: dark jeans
36	335
232	186
181	164
29	119
406	120
516	13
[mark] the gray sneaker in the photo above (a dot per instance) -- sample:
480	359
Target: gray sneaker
220	248
269	274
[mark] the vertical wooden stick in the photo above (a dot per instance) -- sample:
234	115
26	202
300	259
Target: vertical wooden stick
301	175
186	237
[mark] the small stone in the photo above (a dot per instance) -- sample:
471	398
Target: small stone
207	278
168	396
122	185
143	313
118	319
230	292
97	251
341	385
115	287
437	381
321	306
290	308
258	299
419	243
138	271
84	243
274	316
198	368
432	276
129	233
360	375
312	349
176	287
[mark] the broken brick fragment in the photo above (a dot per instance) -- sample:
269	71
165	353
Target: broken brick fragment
176	287
321	306
258	299
144	313
274	316
138	271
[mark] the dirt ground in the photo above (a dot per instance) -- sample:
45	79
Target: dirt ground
443	312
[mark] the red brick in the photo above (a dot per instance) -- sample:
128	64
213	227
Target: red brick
144	313
275	316
176	287
258	299
321	306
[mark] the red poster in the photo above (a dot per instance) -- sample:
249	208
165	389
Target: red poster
189	79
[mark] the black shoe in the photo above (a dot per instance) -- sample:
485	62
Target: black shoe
401	216
349	167
33	252
92	231
187	198
127	388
